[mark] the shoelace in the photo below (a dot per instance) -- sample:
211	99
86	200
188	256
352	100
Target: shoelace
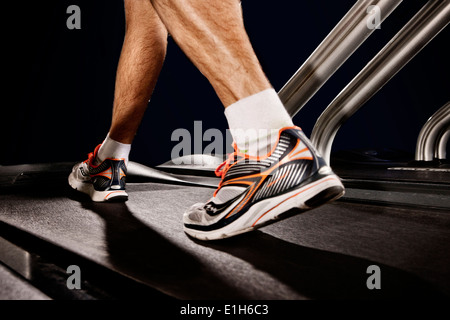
223	167
92	155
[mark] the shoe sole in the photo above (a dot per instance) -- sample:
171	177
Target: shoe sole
97	196
263	213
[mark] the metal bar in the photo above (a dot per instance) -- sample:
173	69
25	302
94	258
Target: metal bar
334	50
16	258
431	132
412	38
440	151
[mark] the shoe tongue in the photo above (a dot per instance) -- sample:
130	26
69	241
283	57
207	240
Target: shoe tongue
96	149
93	155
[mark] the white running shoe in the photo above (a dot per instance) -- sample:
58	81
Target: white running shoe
256	191
103	182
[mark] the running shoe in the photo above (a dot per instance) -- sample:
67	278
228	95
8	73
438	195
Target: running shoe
103	182
257	191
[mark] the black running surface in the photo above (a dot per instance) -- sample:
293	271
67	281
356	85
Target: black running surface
323	253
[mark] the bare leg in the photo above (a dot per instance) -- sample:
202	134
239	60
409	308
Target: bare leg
140	63
212	35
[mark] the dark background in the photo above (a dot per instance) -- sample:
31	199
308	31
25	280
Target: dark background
59	89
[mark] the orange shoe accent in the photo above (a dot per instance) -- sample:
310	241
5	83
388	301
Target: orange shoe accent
122	174
93	155
316	184
106	197
223	168
104	174
275	181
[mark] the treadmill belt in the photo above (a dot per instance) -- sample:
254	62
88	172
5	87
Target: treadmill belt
320	254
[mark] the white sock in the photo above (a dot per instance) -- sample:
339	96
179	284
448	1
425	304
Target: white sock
254	122
113	149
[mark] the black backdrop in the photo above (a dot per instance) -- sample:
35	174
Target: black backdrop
59	83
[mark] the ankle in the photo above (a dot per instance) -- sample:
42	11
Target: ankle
112	149
255	122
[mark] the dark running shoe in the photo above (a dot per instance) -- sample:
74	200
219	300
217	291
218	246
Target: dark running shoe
256	191
103	182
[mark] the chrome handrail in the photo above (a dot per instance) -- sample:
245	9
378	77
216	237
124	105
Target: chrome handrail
432	139
412	38
351	31
440	151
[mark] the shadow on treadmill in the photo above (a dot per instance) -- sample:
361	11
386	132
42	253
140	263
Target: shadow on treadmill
319	274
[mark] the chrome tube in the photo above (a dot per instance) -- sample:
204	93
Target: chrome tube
16	258
412	38
431	134
351	31
440	151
